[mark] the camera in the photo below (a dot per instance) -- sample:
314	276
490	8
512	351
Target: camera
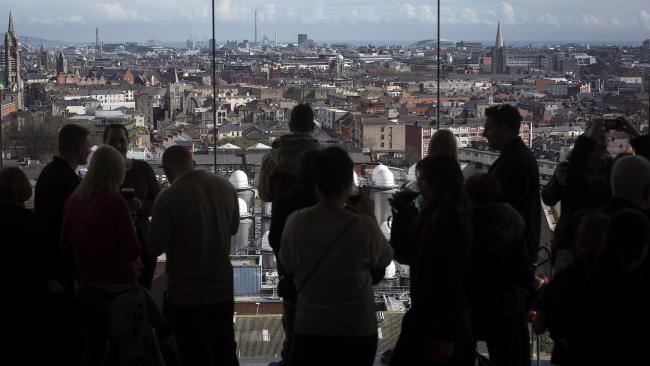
128	193
613	124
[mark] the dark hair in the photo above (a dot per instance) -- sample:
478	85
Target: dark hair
627	235
505	114
302	119
115	126
332	171
442	173
15	188
176	155
71	136
483	189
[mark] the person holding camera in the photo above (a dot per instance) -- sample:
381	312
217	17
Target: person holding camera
140	189
436	243
582	183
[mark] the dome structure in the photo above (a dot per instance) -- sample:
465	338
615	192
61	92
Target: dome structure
411	176
385	229
391	270
383	178
266	246
239	180
243	208
355	178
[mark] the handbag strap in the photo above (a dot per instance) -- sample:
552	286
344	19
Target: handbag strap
325	254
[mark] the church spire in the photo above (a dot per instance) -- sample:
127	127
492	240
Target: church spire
499	43
11	24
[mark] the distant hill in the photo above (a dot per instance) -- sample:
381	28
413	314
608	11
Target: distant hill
36	42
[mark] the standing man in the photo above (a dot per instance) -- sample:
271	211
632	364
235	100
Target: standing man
193	221
279	174
55	184
279	170
517	172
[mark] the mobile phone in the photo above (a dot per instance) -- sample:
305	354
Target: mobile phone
613	124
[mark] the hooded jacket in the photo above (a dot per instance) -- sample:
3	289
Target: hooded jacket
279	170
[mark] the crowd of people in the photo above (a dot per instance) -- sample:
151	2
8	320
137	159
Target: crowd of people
77	269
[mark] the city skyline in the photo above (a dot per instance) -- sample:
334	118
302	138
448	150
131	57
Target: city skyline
141	20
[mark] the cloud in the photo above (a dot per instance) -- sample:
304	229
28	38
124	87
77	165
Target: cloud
267	14
547	18
449	15
507	12
368	15
71	19
116	12
644	18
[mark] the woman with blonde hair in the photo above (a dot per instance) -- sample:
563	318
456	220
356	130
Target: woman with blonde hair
443	142
98	229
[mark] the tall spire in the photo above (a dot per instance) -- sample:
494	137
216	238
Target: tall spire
11	23
499	43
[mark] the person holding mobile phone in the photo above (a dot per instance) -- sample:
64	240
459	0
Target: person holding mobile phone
140	188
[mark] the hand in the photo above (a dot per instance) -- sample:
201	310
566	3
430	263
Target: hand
442	351
627	127
135	204
560	174
596	130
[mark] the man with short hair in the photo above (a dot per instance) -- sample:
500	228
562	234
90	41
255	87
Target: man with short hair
279	170
517	172
55	184
193	221
630	184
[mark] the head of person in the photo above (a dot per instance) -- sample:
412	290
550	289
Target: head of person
443	142
626	248
105	173
483	189
15	188
177	161
598	158
117	136
73	144
333	174
502	125
441	183
630	181
302	119
590	238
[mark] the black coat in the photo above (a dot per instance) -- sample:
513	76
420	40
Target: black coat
517	171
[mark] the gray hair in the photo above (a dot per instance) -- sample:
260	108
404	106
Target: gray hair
630	178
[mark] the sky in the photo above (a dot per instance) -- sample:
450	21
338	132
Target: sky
330	20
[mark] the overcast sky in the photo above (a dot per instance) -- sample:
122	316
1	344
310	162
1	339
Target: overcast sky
177	20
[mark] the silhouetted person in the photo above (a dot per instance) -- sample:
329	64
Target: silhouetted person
500	272
279	170
55	184
564	302
580	184
331	251
435	242
516	169
141	178
301	196
30	295
98	230
193	221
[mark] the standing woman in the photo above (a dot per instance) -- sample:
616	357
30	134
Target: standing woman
98	229
140	180
435	331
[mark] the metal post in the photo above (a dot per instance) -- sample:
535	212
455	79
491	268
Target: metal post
438	99
214	90
2	145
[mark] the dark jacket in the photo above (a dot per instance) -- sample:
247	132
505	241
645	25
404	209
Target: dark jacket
585	189
279	170
55	184
499	260
438	252
517	171
641	145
